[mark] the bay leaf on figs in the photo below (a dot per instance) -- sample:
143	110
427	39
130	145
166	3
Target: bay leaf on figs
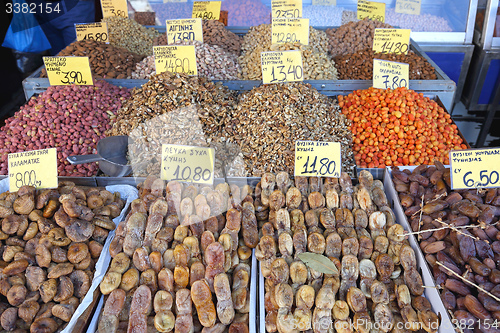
319	263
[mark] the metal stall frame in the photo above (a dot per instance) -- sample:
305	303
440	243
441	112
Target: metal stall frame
485	38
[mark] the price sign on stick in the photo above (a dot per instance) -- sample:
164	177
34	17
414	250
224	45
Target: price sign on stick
36	168
187	164
408	6
64	71
317	159
286	8
395	41
290	31
95	31
282	66
390	74
206	10
176	59
188	29
371	9
112	8
475	168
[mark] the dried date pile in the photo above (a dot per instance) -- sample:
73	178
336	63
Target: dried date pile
460	240
313	226
181	260
51	240
269	119
359	65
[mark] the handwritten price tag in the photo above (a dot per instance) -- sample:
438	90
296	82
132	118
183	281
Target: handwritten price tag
290	31
286	8
176	59
96	31
324	2
187	164
390	74
371	9
114	8
391	41
317	159
282	66
36	168
408	6
188	29
206	10
68	70
473	168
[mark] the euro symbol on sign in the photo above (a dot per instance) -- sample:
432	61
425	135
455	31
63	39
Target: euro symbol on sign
299	158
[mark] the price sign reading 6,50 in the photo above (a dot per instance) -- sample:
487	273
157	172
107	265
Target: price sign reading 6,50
317	159
282	66
96	31
390	74
475	168
68	70
37	168
187	164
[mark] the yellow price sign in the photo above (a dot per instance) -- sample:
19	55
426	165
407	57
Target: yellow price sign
187	164
324	2
390	74
206	10
112	8
317	159
281	66
286	8
37	168
64	71
411	7
290	31
395	41
96	31
176	59
475	168
187	29
371	9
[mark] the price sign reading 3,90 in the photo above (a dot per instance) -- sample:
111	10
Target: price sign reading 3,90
373	10
176	59
282	66
68	70
113	8
395	41
96	31
473	168
390	74
317	159
187	164
37	168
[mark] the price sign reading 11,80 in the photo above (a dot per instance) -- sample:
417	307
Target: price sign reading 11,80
475	168
317	159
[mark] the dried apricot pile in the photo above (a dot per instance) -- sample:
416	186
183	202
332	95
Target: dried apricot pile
398	127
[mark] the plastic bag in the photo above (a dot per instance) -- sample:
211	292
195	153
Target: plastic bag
24	33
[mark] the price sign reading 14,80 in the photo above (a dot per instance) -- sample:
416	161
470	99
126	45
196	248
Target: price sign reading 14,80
317	159
282	66
187	163
391	41
206	10
475	168
36	168
176	59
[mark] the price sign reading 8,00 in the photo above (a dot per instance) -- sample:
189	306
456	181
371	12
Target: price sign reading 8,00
475	168
26	178
317	159
37	168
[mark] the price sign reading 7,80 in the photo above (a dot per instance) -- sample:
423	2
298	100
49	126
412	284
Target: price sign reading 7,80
475	168
390	74
317	159
282	66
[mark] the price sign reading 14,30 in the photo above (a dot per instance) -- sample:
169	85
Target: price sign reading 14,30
474	168
176	59
96	31
68	70
282	66
37	168
187	163
390	74
317	159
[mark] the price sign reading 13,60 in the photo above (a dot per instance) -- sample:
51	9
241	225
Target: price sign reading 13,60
317	159
475	168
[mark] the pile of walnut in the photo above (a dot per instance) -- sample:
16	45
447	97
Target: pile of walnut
459	230
181	260
51	240
377	281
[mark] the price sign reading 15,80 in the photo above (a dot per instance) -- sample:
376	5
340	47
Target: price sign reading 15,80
317	159
281	66
475	168
97	31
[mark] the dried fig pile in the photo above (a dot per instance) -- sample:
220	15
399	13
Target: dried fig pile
181	260
462	235
51	240
333	256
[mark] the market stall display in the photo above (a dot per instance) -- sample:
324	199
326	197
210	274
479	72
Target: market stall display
246	12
